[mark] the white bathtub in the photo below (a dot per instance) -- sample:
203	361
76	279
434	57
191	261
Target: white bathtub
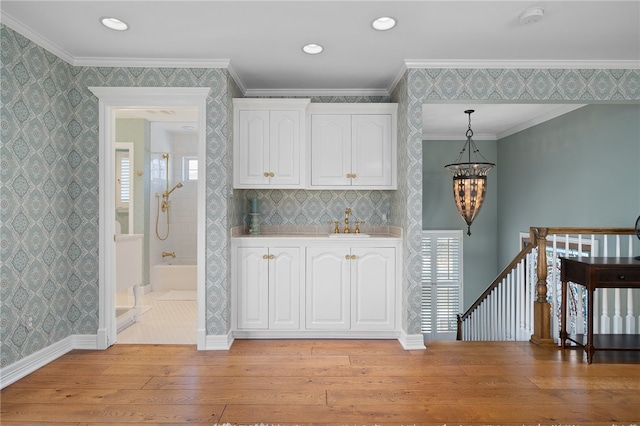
174	274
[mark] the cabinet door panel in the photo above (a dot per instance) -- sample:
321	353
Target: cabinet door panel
327	289
330	149
284	289
284	146
371	150
253	150
253	288
372	289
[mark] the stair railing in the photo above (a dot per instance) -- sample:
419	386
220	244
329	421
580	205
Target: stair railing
523	302
504	310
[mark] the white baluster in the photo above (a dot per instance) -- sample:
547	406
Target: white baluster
617	313
495	319
502	311
520	295
605	321
631	323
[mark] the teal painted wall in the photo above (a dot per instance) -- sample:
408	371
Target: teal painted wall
439	212
580	169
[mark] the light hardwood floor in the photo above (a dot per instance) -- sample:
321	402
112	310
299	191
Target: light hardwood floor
337	382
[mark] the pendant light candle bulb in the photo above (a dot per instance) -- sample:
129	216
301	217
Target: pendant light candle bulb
469	179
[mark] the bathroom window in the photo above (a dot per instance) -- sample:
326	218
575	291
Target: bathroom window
189	168
123	176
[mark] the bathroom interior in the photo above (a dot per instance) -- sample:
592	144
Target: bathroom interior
156	214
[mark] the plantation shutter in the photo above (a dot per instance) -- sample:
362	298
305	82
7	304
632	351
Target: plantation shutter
441	287
123	176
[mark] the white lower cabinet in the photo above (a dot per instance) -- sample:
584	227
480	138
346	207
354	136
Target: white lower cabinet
328	290
294	287
268	286
351	288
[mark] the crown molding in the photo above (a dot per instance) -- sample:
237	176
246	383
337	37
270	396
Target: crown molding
150	62
236	77
35	37
550	115
459	137
535	64
533	121
397	78
315	92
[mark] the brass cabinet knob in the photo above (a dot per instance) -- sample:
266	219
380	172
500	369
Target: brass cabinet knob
264	256
266	174
353	175
353	257
271	256
346	256
271	174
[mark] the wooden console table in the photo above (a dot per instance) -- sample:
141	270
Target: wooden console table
593	273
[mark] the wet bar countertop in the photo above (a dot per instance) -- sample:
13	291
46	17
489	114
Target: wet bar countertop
317	232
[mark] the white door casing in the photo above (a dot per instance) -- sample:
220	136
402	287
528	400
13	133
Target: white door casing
110	99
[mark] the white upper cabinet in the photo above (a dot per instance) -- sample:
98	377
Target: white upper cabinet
353	146
268	143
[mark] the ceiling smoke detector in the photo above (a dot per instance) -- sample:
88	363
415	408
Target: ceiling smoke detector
531	16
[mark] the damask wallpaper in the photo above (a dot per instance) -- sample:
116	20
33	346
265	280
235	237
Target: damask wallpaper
420	86
49	179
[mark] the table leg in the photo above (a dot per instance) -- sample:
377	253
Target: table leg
563	318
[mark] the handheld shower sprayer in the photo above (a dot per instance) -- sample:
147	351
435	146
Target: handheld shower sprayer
165	197
166	194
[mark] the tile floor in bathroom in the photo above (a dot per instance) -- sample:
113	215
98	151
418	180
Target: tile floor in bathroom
165	322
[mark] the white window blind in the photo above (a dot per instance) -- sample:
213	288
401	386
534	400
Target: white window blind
123	176
441	283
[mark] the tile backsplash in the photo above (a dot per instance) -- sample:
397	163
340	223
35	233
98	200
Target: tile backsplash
315	208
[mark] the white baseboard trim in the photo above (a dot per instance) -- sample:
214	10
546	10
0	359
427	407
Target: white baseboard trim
411	342
314	334
218	342
85	342
27	365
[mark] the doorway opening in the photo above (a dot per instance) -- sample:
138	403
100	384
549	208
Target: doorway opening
173	192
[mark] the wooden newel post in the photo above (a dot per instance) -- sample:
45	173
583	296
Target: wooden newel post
541	307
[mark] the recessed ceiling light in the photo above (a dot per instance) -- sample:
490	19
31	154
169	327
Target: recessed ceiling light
312	49
114	24
532	15
383	23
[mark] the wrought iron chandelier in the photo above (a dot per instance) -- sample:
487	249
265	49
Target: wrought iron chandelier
469	179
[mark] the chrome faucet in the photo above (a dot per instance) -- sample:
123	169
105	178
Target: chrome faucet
347	212
168	254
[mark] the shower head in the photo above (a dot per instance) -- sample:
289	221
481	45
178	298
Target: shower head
166	194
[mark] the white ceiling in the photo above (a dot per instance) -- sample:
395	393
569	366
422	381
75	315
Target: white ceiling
260	42
488	121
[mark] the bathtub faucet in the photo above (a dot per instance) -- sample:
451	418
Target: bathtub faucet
167	254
